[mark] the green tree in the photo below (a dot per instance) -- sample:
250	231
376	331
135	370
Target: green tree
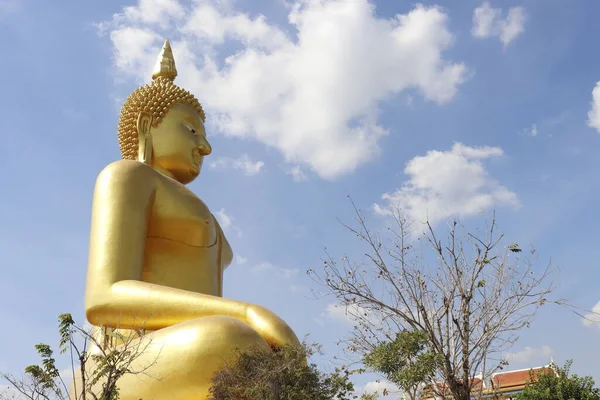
93	375
369	396
560	386
406	361
281	375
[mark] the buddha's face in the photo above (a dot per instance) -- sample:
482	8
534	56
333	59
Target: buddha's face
179	143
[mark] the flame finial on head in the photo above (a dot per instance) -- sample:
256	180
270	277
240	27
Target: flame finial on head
165	65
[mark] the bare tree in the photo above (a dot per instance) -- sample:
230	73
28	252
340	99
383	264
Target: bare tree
98	358
469	294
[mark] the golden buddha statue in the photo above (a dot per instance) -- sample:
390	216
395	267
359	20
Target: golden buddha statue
157	254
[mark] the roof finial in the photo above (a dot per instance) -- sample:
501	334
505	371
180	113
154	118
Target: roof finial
165	66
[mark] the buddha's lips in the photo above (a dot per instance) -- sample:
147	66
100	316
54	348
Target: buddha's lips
197	156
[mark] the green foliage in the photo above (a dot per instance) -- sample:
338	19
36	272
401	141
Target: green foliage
406	361
561	386
369	396
44	381
98	382
66	329
46	376
281	375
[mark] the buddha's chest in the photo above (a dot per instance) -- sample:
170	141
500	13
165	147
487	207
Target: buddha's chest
180	216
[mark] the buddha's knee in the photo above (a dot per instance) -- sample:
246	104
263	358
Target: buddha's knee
193	351
214	336
204	342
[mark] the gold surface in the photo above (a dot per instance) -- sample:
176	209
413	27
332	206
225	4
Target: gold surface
157	254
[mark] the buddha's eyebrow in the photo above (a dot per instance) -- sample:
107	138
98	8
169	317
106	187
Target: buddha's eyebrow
192	121
188	125
197	126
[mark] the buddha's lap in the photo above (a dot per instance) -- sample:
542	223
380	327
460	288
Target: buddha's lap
185	355
202	340
217	332
197	347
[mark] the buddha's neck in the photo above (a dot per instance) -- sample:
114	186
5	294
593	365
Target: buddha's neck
163	171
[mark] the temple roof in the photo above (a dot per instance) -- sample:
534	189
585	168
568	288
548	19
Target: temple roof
502	382
515	380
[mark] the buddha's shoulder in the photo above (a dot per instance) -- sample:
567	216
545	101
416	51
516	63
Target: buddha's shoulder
127	172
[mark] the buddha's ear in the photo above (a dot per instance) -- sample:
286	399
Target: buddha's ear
144	123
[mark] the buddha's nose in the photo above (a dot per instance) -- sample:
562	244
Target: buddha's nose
204	147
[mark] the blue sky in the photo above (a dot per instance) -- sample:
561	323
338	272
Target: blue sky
308	102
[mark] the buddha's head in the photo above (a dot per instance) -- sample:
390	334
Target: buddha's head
175	131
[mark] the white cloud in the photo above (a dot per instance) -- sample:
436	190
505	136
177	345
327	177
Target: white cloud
350	314
546	126
384	388
240	260
337	312
445	184
488	21
297	174
226	222
306	93
530	355
132	51
225	219
152	12
592	318
531	131
594	113
244	163
285	273
513	25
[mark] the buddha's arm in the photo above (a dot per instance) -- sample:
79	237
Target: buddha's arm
225	254
115	294
225	251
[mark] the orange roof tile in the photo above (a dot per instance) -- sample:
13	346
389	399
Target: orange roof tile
516	379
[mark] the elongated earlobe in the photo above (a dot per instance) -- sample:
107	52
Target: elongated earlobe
144	123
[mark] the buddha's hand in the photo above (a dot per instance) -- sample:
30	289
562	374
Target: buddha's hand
272	328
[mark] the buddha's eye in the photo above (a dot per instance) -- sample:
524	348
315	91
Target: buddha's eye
190	129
